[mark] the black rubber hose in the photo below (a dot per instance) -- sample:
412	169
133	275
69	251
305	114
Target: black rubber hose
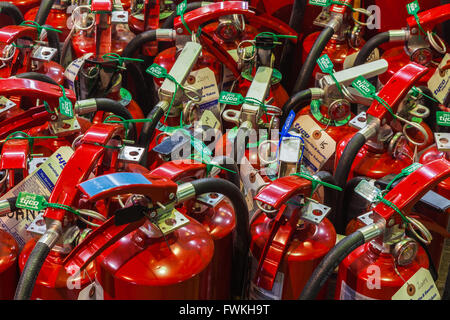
134	45
353	205
341	174
53	42
241	238
328	192
229	164
168	23
12	11
31	271
43	11
36	76
295	102
326	267
307	69
109	105
148	131
146	95
369	46
288	53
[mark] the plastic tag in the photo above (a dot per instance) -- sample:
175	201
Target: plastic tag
103	183
126	97
419	287
234	99
156	70
181	8
364	87
413	7
367	190
65	107
325	64
287	124
443	118
30	201
411	168
439	82
322	3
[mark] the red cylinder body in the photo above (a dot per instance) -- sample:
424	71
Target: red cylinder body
357	268
337	51
8	266
25	5
431	154
306	249
53	281
374	163
57	18
138	267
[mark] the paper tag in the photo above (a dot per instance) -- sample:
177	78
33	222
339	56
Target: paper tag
364	86
234	99
419	287
209	119
319	146
443	118
204	80
93	291
41	181
72	71
65	107
439	84
322	3
413	7
411	168
325	64
30	201
156	70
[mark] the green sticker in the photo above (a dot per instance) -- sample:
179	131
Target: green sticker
413	7
30	201
443	118
276	76
126	97
181	8
230	98
325	64
322	3
411	168
156	70
65	107
364	87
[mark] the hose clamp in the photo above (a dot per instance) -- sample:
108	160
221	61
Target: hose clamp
316	93
398	35
165	34
335	22
371	129
185	192
52	234
85	106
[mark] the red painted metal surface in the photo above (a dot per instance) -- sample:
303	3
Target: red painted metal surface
57	18
14	157
9	276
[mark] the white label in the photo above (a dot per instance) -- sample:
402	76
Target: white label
319	146
42	182
205	80
419	287
74	68
347	293
440	84
350	60
257	293
94	291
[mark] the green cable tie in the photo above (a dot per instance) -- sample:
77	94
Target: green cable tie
123	121
34	24
181	8
312	179
393	206
194	157
418	91
47	107
112	56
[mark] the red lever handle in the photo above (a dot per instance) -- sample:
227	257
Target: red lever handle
35	89
28	119
101	5
9	34
80	166
411	189
282	189
396	89
180	170
430	18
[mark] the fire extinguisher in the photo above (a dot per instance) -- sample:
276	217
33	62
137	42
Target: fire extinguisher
365	153
144	16
422	46
10	14
24	6
379	261
20	55
217	216
334	20
92	155
103	30
323	114
290	234
56	15
9	276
